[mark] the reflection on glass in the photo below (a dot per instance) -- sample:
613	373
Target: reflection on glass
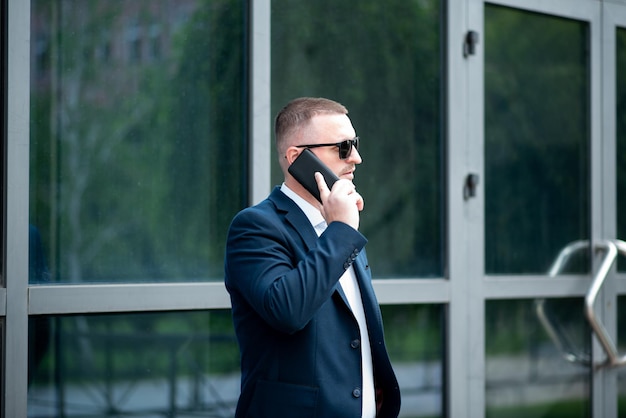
537	359
536	139
382	61
621	349
139	365
2	347
620	128
414	338
137	136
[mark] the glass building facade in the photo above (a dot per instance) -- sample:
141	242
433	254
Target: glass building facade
494	178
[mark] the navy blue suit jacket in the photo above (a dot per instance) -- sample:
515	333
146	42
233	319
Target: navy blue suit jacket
299	341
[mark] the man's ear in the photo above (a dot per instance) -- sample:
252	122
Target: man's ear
291	154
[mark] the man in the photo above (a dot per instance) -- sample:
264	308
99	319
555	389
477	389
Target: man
307	321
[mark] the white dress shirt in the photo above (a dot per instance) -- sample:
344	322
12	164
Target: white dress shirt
350	287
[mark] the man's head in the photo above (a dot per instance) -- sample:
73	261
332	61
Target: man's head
297	114
308	122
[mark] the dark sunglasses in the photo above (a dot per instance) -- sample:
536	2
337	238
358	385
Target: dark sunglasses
345	147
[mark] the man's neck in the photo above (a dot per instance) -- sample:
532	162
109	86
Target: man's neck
302	192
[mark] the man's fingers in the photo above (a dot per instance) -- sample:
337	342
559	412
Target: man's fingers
359	202
342	203
322	186
340	187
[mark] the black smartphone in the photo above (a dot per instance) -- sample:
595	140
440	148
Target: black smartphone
303	169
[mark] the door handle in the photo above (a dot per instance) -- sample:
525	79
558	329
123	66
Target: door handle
612	247
560	340
607	343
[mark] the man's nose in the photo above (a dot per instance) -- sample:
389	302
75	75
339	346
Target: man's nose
354	156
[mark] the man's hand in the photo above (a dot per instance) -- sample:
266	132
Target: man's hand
342	203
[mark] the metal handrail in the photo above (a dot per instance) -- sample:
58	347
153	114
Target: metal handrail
612	247
565	254
607	343
565	349
559	340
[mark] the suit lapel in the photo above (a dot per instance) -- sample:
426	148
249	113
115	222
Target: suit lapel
339	291
363	278
370	304
301	225
294	217
365	287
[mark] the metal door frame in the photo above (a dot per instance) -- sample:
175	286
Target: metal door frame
602	189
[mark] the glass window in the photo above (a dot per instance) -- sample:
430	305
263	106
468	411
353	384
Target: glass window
620	128
139	365
537	359
3	140
158	364
382	60
414	338
620	122
537	135
137	164
620	125
621	349
3	377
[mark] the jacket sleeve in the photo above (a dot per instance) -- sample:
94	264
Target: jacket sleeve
268	265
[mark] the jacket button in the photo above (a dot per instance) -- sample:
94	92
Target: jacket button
356	392
355	343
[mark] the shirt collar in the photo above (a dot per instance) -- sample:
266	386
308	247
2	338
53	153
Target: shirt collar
311	212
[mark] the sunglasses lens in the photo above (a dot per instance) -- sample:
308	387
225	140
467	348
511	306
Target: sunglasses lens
345	147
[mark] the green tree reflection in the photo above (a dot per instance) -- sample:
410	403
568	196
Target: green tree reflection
137	130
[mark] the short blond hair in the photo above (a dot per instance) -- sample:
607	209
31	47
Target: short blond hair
298	113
